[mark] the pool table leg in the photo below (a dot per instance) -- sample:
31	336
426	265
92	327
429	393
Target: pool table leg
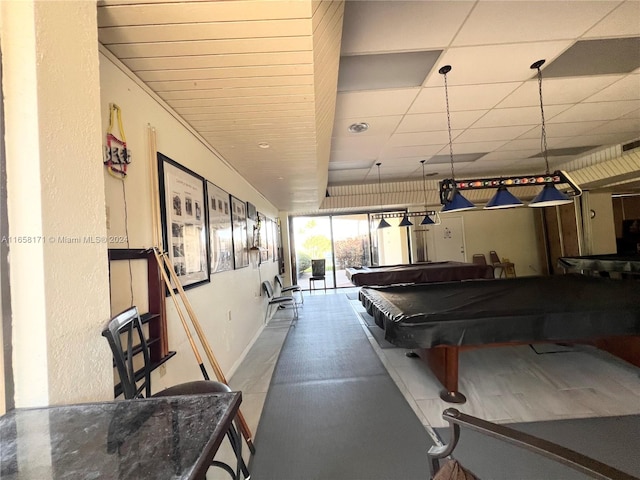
443	361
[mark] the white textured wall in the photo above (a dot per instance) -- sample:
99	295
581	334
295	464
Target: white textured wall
233	291
602	236
510	232
60	297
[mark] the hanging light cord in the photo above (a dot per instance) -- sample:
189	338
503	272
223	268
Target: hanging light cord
424	185
379	187
543	138
446	95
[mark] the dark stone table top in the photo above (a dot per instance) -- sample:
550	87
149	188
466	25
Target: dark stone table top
157	438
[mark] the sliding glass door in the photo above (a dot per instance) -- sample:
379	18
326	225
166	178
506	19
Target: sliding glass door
312	241
343	241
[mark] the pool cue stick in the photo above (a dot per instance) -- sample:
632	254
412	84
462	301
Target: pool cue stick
155	194
155	209
181	315
244	428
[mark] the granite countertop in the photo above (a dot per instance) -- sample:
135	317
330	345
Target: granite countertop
157	438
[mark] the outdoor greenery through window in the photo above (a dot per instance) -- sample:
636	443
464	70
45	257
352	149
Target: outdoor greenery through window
342	241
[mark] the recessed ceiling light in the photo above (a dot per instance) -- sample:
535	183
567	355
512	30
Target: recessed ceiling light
359	127
264	145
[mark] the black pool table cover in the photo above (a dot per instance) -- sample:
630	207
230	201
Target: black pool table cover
603	263
526	309
417	273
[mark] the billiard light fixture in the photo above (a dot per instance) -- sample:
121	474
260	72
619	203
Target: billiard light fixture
406	222
549	196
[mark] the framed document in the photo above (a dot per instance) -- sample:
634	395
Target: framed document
239	227
220	239
182	203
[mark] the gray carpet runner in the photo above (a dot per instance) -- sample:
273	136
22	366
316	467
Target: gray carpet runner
332	411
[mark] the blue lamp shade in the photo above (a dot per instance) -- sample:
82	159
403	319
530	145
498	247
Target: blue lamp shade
458	203
503	199
427	220
550	196
405	222
383	223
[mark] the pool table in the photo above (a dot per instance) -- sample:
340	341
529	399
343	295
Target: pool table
438	320
417	273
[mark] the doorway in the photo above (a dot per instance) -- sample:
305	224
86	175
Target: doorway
445	242
343	241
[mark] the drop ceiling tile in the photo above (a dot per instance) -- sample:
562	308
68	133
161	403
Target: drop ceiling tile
429	122
597	111
601	56
527	21
524	144
354	155
622	21
602	139
385	70
343	176
377	126
467	97
353	165
472	147
357	142
503	117
374	103
421	138
626	89
493	63
508	156
491	134
557	91
624	125
567	129
373	26
414	162
415	151
443	159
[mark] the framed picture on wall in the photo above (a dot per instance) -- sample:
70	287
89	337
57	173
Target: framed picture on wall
239	228
220	236
184	227
264	238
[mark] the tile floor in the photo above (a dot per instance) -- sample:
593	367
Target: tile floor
503	385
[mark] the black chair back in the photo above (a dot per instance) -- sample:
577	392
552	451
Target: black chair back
318	268
126	339
267	288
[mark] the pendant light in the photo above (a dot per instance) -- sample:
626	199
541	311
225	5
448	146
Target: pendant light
383	223
456	201
405	222
503	199
427	220
549	196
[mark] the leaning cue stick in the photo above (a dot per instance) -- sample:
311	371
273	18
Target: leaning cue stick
244	428
181	315
155	214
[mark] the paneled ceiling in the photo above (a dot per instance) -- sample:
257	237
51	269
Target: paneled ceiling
250	73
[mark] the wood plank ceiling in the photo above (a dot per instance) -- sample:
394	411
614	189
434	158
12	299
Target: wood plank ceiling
244	75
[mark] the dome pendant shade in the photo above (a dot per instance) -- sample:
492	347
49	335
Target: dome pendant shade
383	223
458	203
405	222
550	196
503	199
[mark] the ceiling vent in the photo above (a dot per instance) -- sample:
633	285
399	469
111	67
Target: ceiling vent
630	146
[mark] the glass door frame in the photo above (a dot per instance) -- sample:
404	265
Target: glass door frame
371	222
